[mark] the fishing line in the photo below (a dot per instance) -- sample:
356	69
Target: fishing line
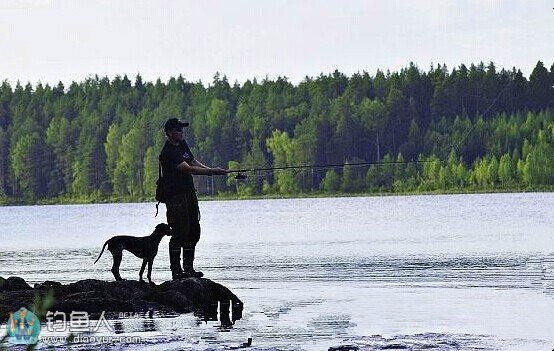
466	134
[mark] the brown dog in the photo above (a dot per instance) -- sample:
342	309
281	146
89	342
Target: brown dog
143	247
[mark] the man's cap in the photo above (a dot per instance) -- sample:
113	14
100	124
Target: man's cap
174	123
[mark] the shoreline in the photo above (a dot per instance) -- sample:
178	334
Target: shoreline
234	196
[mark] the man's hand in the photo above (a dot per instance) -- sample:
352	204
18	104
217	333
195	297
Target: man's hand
219	171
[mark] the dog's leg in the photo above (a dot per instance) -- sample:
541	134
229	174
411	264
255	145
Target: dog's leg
144	261
150	262
117	256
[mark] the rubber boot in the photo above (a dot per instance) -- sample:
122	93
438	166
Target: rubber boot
188	259
175	263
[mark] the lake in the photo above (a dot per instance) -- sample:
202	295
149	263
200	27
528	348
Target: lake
443	272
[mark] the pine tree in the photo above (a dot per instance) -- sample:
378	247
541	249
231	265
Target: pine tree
540	88
111	147
505	170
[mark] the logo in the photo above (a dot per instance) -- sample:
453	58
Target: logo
23	327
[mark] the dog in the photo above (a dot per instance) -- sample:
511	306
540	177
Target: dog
143	247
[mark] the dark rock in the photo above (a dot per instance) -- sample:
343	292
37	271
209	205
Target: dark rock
199	290
94	302
86	285
11	301
198	295
48	285
175	300
13	284
344	348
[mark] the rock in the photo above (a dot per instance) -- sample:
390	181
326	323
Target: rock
175	300
13	284
86	285
198	295
94	302
344	348
11	301
48	285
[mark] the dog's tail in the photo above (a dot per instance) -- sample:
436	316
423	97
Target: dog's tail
101	252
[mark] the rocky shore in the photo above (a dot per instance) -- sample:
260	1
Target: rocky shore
199	295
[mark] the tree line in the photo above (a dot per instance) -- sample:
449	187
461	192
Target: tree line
475	127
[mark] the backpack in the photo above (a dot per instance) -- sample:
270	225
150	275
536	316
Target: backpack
161	191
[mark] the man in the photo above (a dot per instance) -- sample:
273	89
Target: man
183	215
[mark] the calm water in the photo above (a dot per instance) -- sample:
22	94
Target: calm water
413	272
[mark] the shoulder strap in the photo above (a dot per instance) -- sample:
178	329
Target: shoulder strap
160	174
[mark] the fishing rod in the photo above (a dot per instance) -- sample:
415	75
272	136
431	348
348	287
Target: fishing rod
241	173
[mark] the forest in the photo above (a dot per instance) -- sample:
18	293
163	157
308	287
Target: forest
469	128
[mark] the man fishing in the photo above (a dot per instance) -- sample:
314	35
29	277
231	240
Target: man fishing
178	164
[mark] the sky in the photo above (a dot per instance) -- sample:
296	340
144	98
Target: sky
51	41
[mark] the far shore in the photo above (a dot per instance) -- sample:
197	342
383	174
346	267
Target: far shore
234	196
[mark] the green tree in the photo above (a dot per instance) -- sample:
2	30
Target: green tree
59	138
111	147
463	175
539	163
4	163
493	171
481	172
89	170
353	177
505	170
130	165
540	87
281	147
304	152
373	117
150	172
380	177
332	182
26	166
254	159
431	173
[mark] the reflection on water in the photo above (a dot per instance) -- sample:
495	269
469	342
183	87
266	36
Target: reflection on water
148	325
418	272
118	327
226	312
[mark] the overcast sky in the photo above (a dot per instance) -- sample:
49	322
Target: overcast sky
50	41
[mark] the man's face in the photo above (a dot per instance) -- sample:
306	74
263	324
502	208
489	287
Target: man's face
175	134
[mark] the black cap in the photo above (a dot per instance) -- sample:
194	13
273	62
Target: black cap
173	123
